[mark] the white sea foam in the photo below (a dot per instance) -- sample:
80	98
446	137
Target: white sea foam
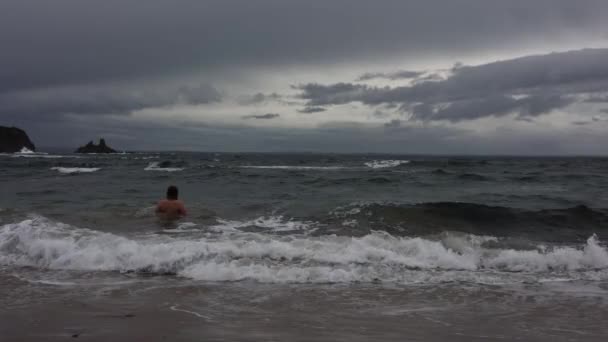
381	164
46	156
41	243
72	170
294	167
183	227
154	166
25	150
27	153
272	223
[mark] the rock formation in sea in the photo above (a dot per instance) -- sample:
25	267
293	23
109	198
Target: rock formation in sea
13	139
92	148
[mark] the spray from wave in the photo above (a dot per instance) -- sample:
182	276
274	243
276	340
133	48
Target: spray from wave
234	256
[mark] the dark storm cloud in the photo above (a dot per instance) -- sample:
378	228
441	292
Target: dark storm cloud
598	99
428	78
531	86
109	99
581	123
393	124
311	110
496	106
259	98
267	116
397	75
61	42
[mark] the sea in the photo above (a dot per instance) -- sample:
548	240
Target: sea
303	247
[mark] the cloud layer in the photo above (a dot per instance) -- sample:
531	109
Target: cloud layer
529	86
63	42
345	75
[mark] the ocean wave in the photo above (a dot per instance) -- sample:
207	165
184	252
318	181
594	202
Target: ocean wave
434	217
25	150
27	153
294	167
45	156
267	223
41	243
164	166
381	164
473	177
73	170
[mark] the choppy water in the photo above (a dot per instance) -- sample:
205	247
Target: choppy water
307	220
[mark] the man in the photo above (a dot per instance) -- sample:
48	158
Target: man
171	208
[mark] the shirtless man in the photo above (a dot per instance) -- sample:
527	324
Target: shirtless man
171	208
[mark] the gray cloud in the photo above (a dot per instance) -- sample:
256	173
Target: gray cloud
110	99
531	86
598	99
433	138
497	105
393	124
397	75
310	110
262	116
581	123
64	64
67	42
259	98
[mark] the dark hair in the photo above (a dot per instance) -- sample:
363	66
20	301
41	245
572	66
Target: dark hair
172	192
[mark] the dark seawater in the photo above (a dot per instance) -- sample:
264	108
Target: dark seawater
441	242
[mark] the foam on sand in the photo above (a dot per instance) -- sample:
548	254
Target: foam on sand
73	170
42	243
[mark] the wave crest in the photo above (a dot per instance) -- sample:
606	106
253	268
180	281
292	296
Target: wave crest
72	170
164	166
39	242
381	164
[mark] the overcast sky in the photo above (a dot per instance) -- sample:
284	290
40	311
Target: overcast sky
415	76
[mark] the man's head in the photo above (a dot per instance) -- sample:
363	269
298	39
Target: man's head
172	192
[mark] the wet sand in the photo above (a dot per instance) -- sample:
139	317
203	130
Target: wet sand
132	308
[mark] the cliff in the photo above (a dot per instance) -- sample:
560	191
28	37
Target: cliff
13	139
92	148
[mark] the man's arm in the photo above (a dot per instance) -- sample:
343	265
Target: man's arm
182	209
159	207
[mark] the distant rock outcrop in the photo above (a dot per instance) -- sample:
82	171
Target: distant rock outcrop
92	148
13	139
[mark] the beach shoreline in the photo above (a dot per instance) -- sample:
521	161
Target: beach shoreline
152	310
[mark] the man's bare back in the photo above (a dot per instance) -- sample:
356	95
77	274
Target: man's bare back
171	208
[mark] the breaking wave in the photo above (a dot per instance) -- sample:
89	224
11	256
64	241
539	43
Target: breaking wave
41	243
27	153
25	150
381	164
164	166
294	167
267	223
73	170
